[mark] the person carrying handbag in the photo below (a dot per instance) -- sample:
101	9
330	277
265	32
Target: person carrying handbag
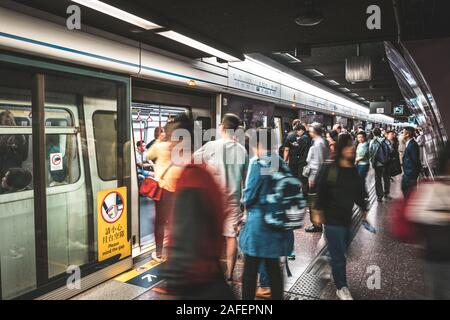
166	174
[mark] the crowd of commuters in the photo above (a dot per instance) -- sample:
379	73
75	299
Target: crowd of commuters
216	200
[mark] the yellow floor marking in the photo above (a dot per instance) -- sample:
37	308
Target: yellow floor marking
124	277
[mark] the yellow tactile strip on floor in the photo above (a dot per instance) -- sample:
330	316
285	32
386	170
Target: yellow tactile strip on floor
124	277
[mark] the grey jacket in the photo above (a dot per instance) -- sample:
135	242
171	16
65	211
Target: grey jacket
317	155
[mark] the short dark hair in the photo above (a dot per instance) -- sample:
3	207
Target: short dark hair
296	122
411	131
377	132
333	134
18	178
299	127
231	121
139	143
344	140
362	133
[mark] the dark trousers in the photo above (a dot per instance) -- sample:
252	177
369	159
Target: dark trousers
338	239
363	169
382	176
250	275
163	212
294	168
408	184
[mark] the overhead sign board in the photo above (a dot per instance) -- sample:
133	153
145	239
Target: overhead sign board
249	82
381	107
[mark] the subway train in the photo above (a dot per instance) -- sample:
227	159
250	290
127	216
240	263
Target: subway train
73	104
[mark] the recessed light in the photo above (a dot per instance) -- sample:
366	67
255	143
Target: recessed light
314	72
344	89
292	59
332	82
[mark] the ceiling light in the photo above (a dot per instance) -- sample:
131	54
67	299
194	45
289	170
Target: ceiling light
354	94
292	58
344	89
310	14
332	82
118	13
314	72
175	36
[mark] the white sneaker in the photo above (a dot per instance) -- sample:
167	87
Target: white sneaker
344	294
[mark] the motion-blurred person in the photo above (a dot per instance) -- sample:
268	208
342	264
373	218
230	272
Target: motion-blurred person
317	155
411	161
338	128
394	167
379	152
157	133
332	137
429	209
362	160
167	174
291	148
259	242
196	244
339	189
228	160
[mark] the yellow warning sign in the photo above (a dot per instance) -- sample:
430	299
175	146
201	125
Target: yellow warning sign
112	224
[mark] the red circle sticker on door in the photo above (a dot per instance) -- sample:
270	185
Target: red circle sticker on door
112	207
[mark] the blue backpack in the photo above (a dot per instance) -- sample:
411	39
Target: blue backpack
383	154
285	203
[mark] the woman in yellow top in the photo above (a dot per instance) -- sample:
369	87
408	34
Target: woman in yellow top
167	174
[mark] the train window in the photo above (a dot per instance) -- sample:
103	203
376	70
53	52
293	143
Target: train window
62	159
17	232
15	163
58	118
20	116
105	135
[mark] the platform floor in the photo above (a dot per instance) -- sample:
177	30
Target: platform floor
399	265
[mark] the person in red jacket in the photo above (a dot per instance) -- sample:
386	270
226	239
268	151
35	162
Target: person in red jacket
196	244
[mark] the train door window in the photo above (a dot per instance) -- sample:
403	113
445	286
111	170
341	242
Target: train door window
105	134
17	231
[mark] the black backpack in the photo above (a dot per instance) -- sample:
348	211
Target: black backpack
383	154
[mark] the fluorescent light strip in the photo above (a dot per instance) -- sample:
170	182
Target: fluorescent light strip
332	82
175	36
265	70
315	72
118	13
295	59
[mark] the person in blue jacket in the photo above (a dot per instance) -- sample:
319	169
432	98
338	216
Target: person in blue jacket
259	242
411	161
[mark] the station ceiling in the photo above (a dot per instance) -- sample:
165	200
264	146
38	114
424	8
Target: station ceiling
268	27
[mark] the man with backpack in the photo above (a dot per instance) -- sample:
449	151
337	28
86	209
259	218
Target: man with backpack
379	153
